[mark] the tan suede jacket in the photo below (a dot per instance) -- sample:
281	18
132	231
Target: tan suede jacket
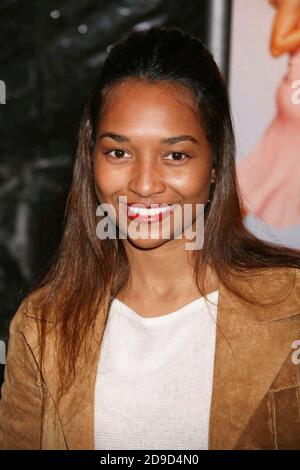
256	384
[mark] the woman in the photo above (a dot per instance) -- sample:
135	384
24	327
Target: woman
268	176
138	341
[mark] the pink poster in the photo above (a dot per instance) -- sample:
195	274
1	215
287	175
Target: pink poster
265	94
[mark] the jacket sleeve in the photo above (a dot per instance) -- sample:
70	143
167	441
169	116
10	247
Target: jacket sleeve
21	393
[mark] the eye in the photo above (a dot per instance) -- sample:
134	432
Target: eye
177	156
119	153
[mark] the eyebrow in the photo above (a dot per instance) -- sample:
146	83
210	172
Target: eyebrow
168	140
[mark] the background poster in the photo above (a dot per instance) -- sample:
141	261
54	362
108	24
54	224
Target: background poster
258	96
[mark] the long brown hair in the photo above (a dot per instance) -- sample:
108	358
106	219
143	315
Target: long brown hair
87	272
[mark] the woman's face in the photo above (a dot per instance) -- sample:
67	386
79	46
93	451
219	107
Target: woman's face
134	157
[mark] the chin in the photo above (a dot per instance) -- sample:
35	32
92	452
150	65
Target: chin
147	244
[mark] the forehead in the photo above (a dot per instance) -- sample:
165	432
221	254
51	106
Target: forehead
141	104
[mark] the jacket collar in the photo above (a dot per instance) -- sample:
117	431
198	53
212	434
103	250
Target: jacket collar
245	365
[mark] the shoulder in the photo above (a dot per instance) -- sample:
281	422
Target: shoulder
274	293
24	333
268	281
32	305
29	312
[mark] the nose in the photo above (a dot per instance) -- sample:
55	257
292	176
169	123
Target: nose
147	178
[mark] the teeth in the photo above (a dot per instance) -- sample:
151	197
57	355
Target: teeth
148	212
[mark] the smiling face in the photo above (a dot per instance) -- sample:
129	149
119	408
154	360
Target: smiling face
134	156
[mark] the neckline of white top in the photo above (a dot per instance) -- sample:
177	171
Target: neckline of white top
161	319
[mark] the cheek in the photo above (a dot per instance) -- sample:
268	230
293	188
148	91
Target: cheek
194	183
107	180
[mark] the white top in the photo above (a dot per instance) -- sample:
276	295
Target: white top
154	381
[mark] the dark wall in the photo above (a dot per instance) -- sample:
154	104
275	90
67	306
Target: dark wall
49	60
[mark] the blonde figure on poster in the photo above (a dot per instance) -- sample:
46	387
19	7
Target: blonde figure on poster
269	177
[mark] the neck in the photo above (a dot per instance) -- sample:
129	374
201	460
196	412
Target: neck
164	272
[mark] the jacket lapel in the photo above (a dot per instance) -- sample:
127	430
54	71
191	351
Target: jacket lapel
251	345
68	424
77	406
